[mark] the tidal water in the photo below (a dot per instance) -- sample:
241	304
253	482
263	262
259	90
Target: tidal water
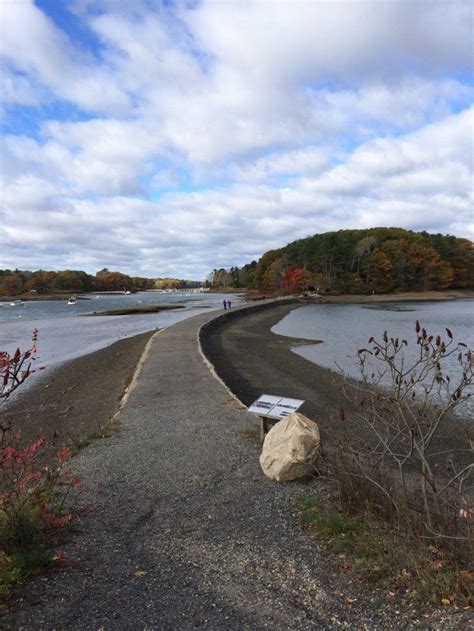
65	332
344	328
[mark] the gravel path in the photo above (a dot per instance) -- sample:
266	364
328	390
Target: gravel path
184	531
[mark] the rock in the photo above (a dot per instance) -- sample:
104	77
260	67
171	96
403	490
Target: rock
290	448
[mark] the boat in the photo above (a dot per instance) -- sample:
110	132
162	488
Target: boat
16	303
72	300
127	292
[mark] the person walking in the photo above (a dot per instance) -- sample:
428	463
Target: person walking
225	304
229	304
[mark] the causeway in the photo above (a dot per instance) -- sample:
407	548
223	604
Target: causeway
182	530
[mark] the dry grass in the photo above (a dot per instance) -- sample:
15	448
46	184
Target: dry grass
383	557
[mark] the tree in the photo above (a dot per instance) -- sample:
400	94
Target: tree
382	271
430	272
382	259
262	267
41	282
112	281
295	280
72	280
273	277
12	285
221	278
463	264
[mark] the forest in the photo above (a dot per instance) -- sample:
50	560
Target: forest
18	282
374	260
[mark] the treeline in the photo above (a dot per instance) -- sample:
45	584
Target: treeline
18	282
380	260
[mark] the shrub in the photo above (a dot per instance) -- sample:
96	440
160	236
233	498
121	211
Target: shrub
403	458
397	459
35	499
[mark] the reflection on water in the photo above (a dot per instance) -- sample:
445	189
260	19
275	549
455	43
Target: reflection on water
344	328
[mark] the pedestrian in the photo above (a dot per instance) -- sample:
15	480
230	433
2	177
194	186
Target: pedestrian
229	304
225	304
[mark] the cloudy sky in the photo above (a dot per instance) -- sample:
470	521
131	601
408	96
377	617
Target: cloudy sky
170	137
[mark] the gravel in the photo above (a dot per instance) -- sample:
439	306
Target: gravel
183	531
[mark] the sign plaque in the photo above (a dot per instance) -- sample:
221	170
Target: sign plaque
275	407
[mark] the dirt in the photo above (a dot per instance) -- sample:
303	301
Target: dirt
79	397
252	361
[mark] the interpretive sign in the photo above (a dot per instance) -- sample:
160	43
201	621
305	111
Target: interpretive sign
275	407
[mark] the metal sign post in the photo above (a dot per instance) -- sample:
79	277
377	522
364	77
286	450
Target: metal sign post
272	409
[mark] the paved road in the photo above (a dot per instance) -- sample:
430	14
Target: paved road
185	532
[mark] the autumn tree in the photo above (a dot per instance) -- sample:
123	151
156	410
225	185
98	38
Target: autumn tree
112	281
41	282
221	278
430	272
72	280
295	280
12	285
463	264
382	271
262	275
273	277
374	259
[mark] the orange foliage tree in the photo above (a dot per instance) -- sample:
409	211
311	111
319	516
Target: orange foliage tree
296	279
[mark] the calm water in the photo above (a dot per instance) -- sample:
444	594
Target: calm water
64	334
344	328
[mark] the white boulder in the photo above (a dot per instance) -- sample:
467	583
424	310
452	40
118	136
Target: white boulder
290	448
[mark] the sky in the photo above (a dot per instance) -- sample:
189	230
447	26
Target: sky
168	138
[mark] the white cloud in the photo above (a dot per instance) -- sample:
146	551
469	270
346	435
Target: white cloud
309	160
33	45
268	121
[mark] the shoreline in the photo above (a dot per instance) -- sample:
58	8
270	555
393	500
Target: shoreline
414	296
251	360
77	398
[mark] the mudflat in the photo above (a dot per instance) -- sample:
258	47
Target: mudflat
77	398
252	360
135	310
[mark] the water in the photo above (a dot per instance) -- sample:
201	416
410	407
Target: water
65	334
344	328
44	309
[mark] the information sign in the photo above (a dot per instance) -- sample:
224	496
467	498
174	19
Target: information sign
275	407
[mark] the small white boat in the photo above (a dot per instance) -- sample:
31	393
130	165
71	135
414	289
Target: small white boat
127	292
16	303
72	300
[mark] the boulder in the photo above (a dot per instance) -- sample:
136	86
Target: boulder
290	448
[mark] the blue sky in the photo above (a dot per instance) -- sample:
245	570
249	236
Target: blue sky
166	139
